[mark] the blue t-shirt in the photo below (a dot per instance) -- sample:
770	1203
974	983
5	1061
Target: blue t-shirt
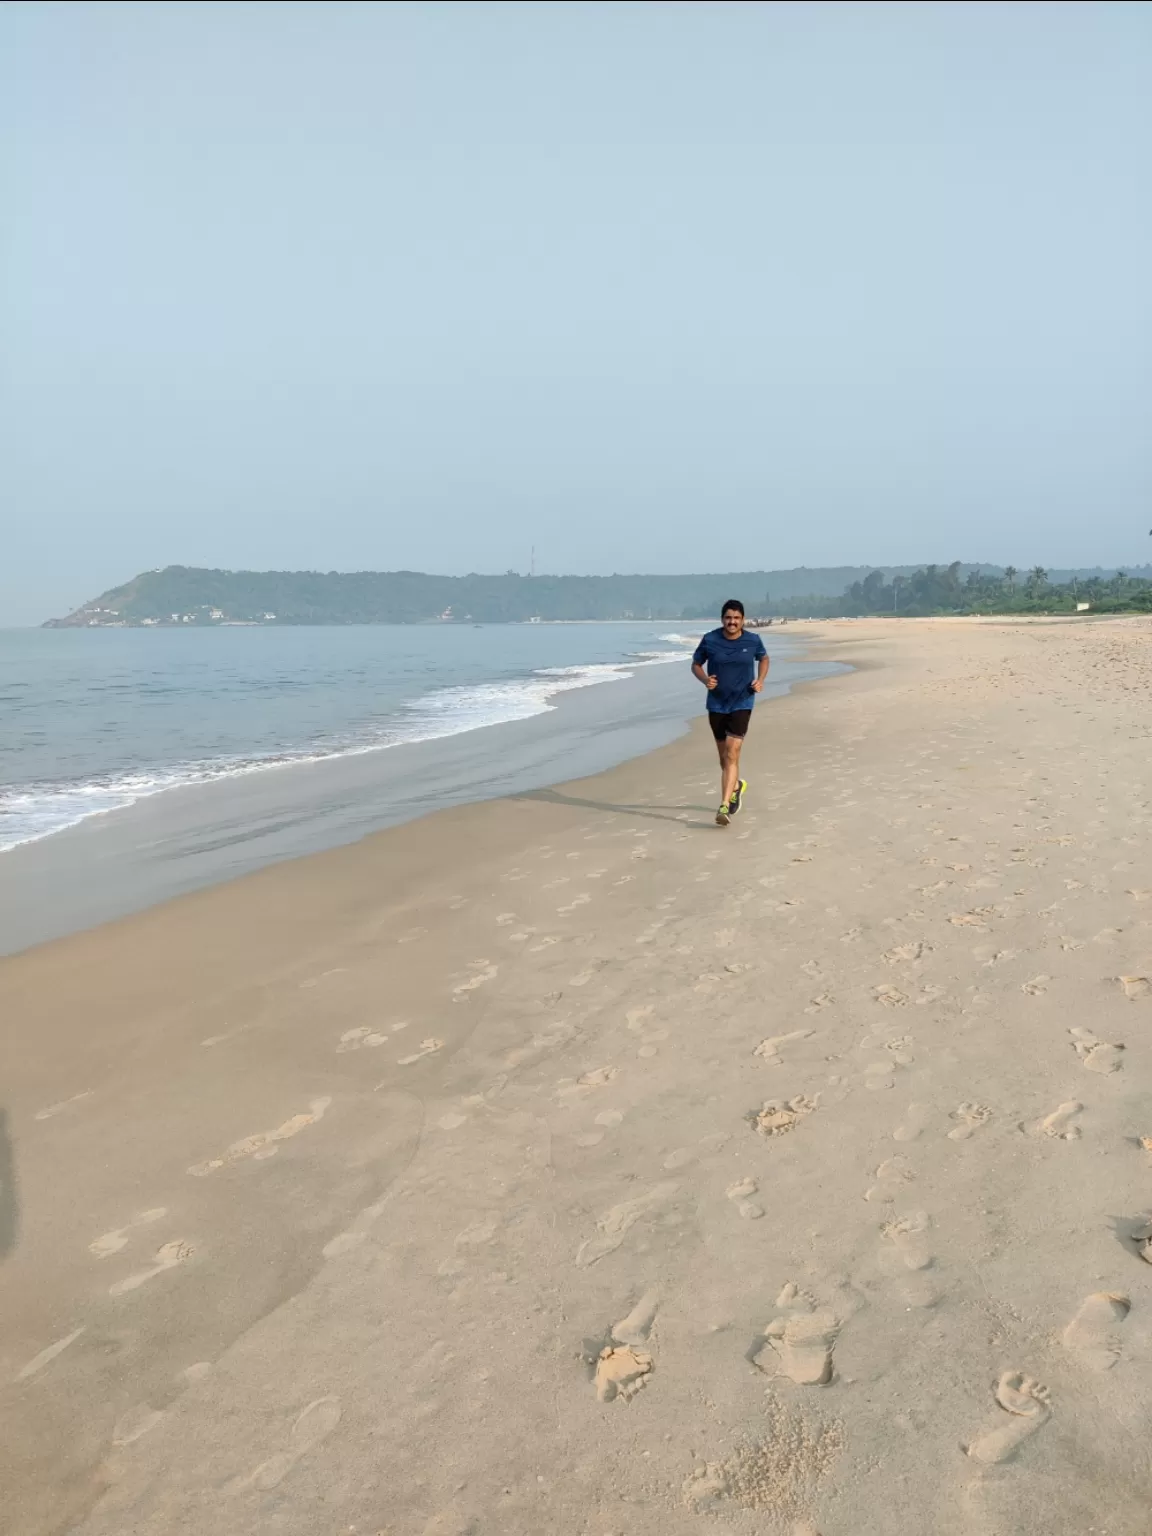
733	664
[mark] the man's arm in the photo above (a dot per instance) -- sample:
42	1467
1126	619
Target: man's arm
699	657
762	671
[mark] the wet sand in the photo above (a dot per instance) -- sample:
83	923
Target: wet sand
569	1164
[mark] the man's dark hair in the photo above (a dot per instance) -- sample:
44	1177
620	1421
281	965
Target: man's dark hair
733	602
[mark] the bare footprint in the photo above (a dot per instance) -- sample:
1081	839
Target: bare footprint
313	1426
621	1372
112	1242
264	1143
741	1194
167	1257
903	953
635	1328
800	1345
361	1038
617	1221
1027	1401
889	1177
891	997
427	1047
778	1116
596	1078
1096	1055
970	1117
914	1122
1090	1335
769	1050
1059	1122
908	1235
485	974
1135	986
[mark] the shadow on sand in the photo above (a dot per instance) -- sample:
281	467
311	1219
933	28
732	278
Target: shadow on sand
679	814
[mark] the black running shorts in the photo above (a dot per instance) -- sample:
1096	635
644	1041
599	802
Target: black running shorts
735	723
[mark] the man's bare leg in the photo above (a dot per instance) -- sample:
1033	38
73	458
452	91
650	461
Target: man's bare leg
730	766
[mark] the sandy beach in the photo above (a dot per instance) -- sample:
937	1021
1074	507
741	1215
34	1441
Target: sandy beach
568	1164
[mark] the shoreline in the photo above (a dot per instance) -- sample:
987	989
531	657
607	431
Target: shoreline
564	1162
191	836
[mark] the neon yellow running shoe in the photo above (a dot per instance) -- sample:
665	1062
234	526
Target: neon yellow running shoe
738	797
723	815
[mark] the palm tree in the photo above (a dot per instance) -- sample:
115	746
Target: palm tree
1121	578
1010	574
1037	576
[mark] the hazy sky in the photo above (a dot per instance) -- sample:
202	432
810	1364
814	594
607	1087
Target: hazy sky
650	286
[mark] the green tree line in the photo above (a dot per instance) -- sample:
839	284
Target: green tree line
943	589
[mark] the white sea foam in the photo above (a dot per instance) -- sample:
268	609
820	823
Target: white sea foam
29	812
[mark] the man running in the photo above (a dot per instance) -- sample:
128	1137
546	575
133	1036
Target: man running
732	666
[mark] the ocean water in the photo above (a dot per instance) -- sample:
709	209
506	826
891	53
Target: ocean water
92	722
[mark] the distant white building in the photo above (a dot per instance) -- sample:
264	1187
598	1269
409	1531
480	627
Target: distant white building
216	613
269	615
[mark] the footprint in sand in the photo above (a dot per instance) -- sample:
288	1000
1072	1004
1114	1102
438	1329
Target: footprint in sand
1059	1122
112	1242
167	1257
880	1074
596	1078
616	1222
970	1118
769	1050
486	973
264	1143
1135	986
635	1328
914	1122
360	1039
1096	1055
1036	987
908	1234
741	1194
427	1047
621	1372
313	1426
1027	1401
974	919
800	1341
889	1177
1090	1335
902	954
1142	1237
779	1116
891	997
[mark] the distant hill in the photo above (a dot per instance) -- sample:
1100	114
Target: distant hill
182	594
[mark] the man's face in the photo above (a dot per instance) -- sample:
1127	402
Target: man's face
733	623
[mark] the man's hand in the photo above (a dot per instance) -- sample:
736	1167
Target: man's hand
711	682
757	685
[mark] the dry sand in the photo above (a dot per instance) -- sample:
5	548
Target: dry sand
568	1164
